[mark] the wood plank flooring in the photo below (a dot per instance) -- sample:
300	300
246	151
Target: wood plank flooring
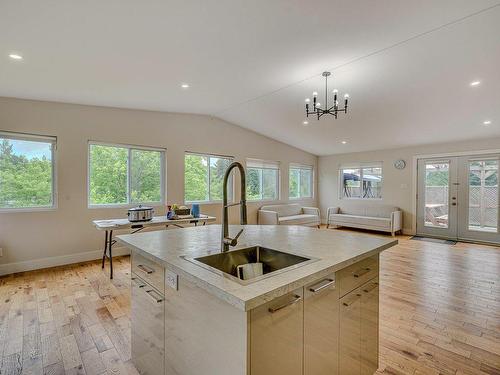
440	309
440	314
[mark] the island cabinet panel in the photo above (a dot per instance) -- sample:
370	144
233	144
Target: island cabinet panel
350	334
369	327
148	319
203	333
357	274
277	336
321	327
359	327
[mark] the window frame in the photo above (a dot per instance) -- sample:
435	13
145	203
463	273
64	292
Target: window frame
278	180
43	139
129	147
360	166
301	167
208	156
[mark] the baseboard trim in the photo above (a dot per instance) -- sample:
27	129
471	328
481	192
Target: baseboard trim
36	264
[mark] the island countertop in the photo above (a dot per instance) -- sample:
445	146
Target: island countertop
333	250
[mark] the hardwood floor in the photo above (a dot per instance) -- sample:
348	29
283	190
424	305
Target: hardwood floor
440	309
440	314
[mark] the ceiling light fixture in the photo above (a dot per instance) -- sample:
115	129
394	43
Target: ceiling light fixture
475	83
305	123
344	142
333	110
487	122
185	86
15	56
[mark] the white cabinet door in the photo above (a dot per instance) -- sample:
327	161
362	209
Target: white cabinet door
350	333
148	335
321	327
369	327
277	336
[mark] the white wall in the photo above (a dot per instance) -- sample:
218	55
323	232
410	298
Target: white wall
67	232
397	186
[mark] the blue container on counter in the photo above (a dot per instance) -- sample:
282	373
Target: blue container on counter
195	210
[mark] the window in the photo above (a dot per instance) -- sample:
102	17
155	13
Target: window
362	182
125	175
300	181
263	180
27	171
203	177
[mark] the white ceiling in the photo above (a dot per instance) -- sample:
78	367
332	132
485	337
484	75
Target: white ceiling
406	64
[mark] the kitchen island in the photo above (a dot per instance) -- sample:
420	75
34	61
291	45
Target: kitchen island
314	311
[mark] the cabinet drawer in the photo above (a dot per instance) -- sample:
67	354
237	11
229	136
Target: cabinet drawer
149	271
357	274
277	336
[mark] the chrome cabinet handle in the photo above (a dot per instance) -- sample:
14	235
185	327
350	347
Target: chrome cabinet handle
361	272
138	283
349	303
317	288
370	288
158	298
296	299
145	269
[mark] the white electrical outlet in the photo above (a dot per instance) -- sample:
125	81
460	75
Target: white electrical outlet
172	280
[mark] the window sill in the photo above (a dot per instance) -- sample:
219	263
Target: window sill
360	199
262	200
125	205
27	209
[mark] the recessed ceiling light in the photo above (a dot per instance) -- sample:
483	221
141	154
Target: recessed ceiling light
305	123
185	86
15	56
344	142
487	122
475	83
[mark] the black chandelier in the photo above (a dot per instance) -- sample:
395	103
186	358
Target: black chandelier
333	110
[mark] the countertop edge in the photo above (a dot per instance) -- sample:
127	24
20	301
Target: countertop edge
256	301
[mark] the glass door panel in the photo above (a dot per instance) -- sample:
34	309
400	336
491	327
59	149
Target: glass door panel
478	213
437	198
437	182
483	195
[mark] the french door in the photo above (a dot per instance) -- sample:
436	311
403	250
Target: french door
458	198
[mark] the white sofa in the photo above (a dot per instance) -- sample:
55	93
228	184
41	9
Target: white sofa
381	217
288	214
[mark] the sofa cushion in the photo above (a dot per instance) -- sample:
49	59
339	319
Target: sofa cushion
378	222
284	209
369	209
298	219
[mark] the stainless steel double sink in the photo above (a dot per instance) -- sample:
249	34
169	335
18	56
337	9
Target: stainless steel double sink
273	261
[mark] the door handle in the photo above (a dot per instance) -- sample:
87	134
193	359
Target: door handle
145	269
158	298
296	299
138	283
370	288
349	303
322	286
361	272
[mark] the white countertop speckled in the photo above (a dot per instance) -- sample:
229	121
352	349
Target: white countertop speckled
333	249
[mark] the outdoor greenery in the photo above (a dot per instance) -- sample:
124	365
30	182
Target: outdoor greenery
108	183
24	181
300	183
203	177
262	183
